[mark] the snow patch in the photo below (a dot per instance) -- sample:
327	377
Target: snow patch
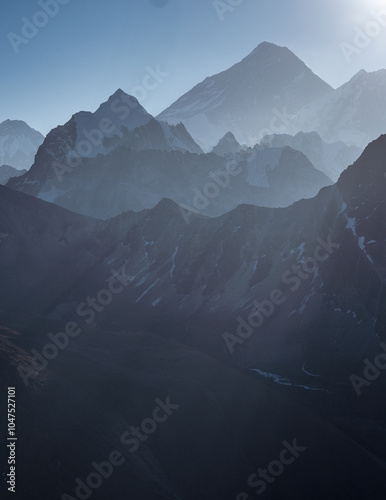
284	381
145	292
141	281
307	372
173	261
351	225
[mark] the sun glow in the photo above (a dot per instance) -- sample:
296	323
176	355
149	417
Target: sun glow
376	4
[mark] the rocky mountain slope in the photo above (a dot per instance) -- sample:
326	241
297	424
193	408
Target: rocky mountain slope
140	305
212	270
215	425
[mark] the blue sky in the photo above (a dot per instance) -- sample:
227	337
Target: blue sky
89	48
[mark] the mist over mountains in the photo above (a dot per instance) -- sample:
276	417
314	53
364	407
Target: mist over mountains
328	157
353	113
133	161
192	301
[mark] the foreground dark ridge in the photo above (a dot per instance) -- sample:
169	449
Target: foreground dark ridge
190	282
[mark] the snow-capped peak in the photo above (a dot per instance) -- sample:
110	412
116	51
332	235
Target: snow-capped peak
268	86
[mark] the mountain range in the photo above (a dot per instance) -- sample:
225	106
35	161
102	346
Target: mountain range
193	301
141	160
293	295
272	91
120	135
216	266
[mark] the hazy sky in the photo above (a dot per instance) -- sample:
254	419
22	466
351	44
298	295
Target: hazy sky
88	49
